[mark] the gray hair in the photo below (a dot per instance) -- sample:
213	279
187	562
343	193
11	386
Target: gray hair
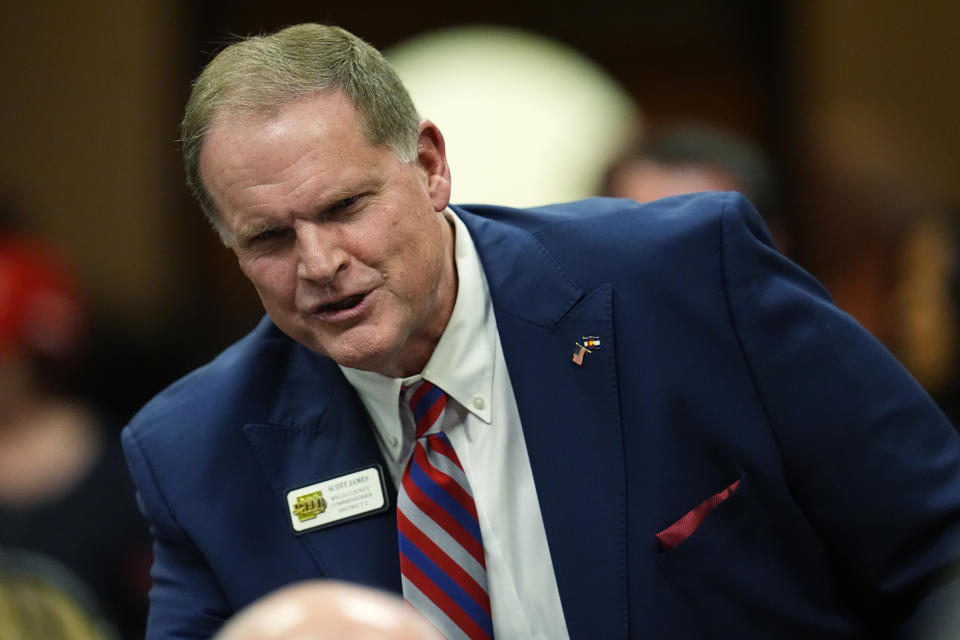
262	74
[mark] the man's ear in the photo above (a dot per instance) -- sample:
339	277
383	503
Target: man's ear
432	157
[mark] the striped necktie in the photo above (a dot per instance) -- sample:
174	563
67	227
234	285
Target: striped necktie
441	553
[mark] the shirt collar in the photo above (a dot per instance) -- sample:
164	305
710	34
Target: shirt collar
461	363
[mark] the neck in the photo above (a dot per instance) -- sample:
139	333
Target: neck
419	349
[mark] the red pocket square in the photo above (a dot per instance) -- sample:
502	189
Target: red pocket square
685	526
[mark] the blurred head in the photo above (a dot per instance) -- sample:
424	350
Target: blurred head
328	610
687	158
42	320
262	74
41	599
40	310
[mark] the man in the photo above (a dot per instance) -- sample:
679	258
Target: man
327	610
596	420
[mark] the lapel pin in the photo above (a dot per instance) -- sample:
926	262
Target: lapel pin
585	346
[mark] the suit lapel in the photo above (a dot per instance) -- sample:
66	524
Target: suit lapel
570	418
319	430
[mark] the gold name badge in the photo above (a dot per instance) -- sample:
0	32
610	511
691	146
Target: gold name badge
337	500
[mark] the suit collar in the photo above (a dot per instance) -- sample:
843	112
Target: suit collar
570	417
525	280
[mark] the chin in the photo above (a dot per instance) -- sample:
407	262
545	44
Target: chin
358	348
363	363
367	359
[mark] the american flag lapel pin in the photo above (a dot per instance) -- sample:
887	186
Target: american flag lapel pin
586	345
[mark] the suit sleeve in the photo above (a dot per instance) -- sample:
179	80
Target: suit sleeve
872	462
186	601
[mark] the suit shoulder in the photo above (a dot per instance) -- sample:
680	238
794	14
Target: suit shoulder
665	218
536	219
659	231
619	218
217	391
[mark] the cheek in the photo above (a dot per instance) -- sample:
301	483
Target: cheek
411	261
275	281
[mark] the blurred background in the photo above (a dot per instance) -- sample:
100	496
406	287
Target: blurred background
838	118
94	92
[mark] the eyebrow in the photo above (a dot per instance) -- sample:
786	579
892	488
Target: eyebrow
244	235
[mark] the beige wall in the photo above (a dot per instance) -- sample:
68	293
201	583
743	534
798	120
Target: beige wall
88	139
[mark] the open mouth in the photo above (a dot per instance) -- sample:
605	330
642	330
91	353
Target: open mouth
346	303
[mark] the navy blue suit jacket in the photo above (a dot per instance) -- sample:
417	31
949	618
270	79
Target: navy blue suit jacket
720	361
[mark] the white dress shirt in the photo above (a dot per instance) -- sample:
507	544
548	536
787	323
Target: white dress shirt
483	425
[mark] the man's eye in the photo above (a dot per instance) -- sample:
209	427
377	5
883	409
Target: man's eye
267	235
346	203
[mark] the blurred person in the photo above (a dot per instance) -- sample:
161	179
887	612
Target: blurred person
690	157
64	490
597	419
328	610
41	600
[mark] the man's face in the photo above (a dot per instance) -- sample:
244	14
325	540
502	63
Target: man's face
346	244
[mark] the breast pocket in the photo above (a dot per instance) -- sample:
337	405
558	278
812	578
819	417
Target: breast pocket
753	568
707	530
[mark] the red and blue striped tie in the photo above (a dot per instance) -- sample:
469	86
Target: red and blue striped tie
441	553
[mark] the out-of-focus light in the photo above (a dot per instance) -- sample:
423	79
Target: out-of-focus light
526	119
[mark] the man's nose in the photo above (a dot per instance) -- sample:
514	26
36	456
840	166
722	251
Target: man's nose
320	255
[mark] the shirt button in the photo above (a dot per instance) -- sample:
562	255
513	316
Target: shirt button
479	402
392	441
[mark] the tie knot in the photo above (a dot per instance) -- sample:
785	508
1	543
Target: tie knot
427	404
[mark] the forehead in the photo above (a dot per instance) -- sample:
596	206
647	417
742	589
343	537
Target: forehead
319	138
325	118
